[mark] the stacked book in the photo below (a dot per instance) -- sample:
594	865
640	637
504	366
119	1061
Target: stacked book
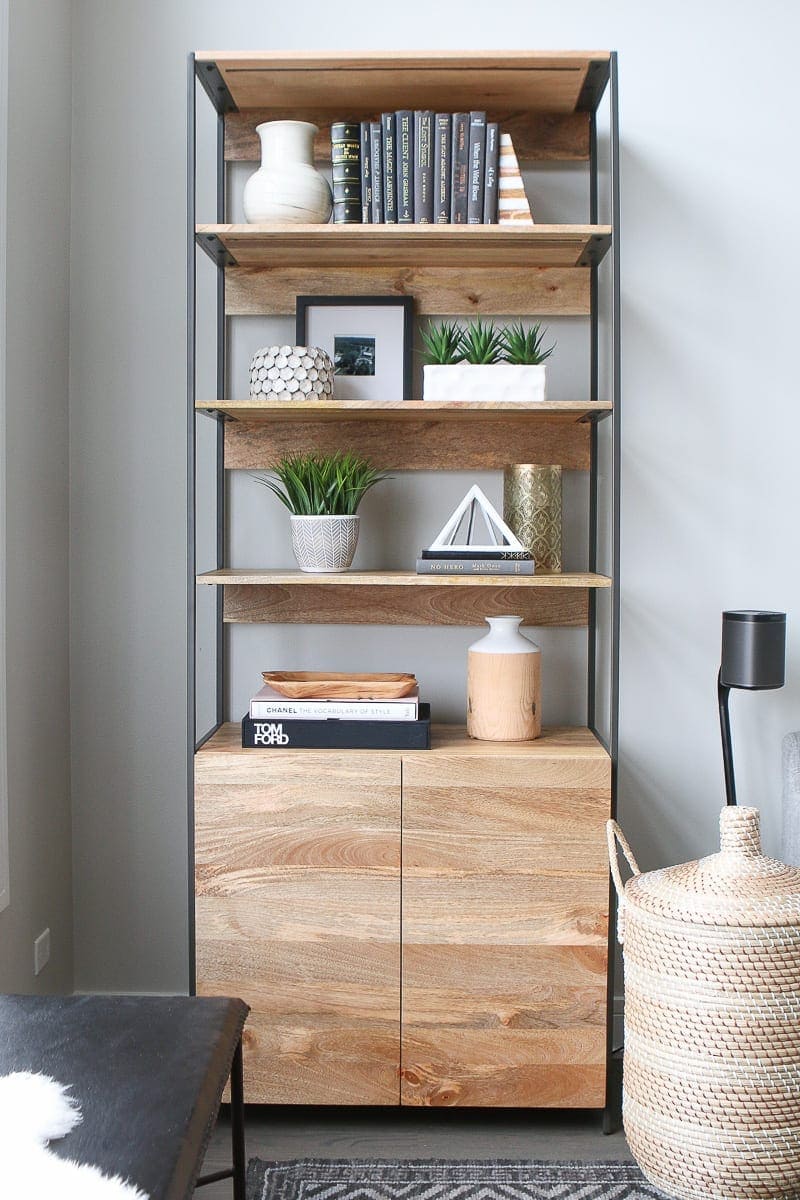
316	720
479	562
416	167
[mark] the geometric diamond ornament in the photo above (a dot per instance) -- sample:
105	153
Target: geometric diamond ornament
474	516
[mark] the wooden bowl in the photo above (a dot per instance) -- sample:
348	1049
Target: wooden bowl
330	685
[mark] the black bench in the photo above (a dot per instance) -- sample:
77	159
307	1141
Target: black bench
148	1073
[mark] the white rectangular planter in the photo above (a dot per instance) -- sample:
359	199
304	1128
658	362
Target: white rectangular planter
475	382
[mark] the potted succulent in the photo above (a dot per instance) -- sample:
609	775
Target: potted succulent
322	493
481	362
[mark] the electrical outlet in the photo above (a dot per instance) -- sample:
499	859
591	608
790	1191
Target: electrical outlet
41	951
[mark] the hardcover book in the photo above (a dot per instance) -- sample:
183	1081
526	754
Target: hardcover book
459	168
491	173
441	168
388	127
423	167
366	174
474	566
339	735
269	703
376	171
346	172
404	168
502	554
477	160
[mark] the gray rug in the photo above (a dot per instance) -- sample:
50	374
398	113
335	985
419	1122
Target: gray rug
350	1179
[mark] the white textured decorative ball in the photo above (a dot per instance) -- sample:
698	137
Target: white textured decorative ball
291	373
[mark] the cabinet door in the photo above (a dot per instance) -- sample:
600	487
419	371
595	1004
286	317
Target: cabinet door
505	920
298	912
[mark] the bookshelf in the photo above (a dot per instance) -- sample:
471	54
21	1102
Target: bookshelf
373	905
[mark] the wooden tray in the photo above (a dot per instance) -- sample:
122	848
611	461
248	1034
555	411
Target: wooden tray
329	685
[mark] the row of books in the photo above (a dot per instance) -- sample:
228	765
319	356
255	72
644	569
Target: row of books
416	167
481	562
276	722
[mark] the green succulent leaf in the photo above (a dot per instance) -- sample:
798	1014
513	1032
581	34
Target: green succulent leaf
524	347
482	343
313	485
443	343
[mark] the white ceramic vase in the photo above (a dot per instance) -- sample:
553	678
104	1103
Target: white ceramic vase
323	544
287	186
504	684
484	381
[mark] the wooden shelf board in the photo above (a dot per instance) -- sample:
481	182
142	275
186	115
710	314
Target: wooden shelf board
286	244
295	411
557	742
229	576
559	81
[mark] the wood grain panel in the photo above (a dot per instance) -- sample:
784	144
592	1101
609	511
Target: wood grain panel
438	291
506	887
295	604
537	136
298	911
458	412
549	81
424	446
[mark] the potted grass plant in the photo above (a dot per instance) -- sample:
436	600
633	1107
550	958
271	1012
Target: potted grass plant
481	362
322	492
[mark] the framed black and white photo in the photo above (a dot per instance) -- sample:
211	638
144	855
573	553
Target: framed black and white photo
369	339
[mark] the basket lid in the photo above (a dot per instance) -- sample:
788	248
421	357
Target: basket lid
739	886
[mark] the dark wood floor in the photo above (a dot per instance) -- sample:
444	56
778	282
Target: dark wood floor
284	1133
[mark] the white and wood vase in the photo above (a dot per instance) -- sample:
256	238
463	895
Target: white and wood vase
478	382
287	186
324	543
504	684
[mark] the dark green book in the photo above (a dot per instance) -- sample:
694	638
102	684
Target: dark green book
404	169
388	134
346	172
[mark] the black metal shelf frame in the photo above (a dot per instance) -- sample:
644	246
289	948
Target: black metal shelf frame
601	87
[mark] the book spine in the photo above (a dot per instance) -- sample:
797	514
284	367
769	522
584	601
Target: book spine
341	735
346	172
388	129
327	710
477	164
423	167
491	175
441	169
366	174
459	168
474	566
404	169
376	171
497	555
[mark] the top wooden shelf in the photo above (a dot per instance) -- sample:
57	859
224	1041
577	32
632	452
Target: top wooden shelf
553	81
294	245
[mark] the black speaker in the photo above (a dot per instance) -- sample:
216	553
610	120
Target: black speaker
753	649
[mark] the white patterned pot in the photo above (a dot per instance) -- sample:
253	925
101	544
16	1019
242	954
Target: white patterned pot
324	543
291	373
475	382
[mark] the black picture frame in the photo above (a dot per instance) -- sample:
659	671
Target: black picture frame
304	303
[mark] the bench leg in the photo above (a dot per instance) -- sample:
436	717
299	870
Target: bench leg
237	1125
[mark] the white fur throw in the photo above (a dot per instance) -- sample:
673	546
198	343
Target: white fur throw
33	1111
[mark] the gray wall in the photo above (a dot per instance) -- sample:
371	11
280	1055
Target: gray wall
711	422
37	496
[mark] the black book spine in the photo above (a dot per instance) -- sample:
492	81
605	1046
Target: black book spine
376	169
388	129
441	169
459	168
346	171
491	180
477	164
496	555
404	170
366	174
284	734
423	167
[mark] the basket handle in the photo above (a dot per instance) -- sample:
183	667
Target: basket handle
615	835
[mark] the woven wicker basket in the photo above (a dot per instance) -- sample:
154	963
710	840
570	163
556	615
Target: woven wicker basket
711	1092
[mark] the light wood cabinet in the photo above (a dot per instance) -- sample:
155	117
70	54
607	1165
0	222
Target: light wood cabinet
499	915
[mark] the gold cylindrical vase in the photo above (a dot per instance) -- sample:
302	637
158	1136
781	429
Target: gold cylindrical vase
532	508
